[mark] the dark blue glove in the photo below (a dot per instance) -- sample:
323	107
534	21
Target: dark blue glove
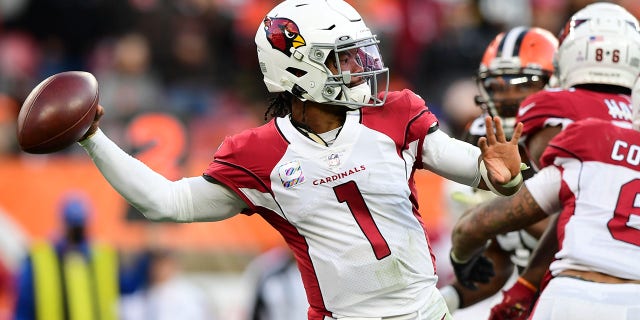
476	269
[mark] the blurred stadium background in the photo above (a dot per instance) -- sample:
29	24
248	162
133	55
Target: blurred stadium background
176	76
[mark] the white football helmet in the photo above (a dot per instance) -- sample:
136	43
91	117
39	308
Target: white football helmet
297	36
599	45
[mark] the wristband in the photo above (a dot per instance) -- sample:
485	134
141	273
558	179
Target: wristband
456	259
485	177
513	182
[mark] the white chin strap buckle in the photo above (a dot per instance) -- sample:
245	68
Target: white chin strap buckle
359	94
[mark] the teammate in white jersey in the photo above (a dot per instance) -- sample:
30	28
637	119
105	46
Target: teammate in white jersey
595	180
332	171
597	63
516	64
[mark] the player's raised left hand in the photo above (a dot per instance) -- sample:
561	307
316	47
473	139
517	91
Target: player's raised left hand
501	156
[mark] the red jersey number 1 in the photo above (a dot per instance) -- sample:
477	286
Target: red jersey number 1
349	193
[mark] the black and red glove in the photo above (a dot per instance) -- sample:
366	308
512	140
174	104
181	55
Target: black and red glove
517	302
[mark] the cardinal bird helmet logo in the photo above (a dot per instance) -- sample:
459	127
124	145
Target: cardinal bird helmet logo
283	34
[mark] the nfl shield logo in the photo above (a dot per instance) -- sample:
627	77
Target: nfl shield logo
333	160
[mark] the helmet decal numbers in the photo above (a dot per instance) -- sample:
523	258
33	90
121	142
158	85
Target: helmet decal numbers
601	53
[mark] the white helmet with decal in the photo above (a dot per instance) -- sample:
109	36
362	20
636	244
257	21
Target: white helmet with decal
599	45
294	41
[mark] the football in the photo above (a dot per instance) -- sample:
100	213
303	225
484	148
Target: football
57	112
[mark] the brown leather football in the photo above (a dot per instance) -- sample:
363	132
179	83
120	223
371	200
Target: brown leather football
57	112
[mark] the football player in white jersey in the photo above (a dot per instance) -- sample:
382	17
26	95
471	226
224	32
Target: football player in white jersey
516	64
596	65
332	171
594	179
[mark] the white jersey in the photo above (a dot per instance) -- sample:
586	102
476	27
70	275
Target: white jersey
599	226
348	211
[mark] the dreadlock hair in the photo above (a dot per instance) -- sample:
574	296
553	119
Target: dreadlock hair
279	105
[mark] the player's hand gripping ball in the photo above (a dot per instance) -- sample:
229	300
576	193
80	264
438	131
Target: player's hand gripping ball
57	112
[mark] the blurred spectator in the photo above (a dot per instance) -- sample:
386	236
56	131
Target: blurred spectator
455	52
506	13
459	107
7	289
549	14
278	293
87	287
8	119
128	84
189	82
408	30
20	60
67	29
168	295
13	247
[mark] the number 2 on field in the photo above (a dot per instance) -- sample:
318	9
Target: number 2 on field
349	193
626	207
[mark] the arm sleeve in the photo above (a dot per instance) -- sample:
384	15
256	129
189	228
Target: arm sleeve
451	158
157	198
545	189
